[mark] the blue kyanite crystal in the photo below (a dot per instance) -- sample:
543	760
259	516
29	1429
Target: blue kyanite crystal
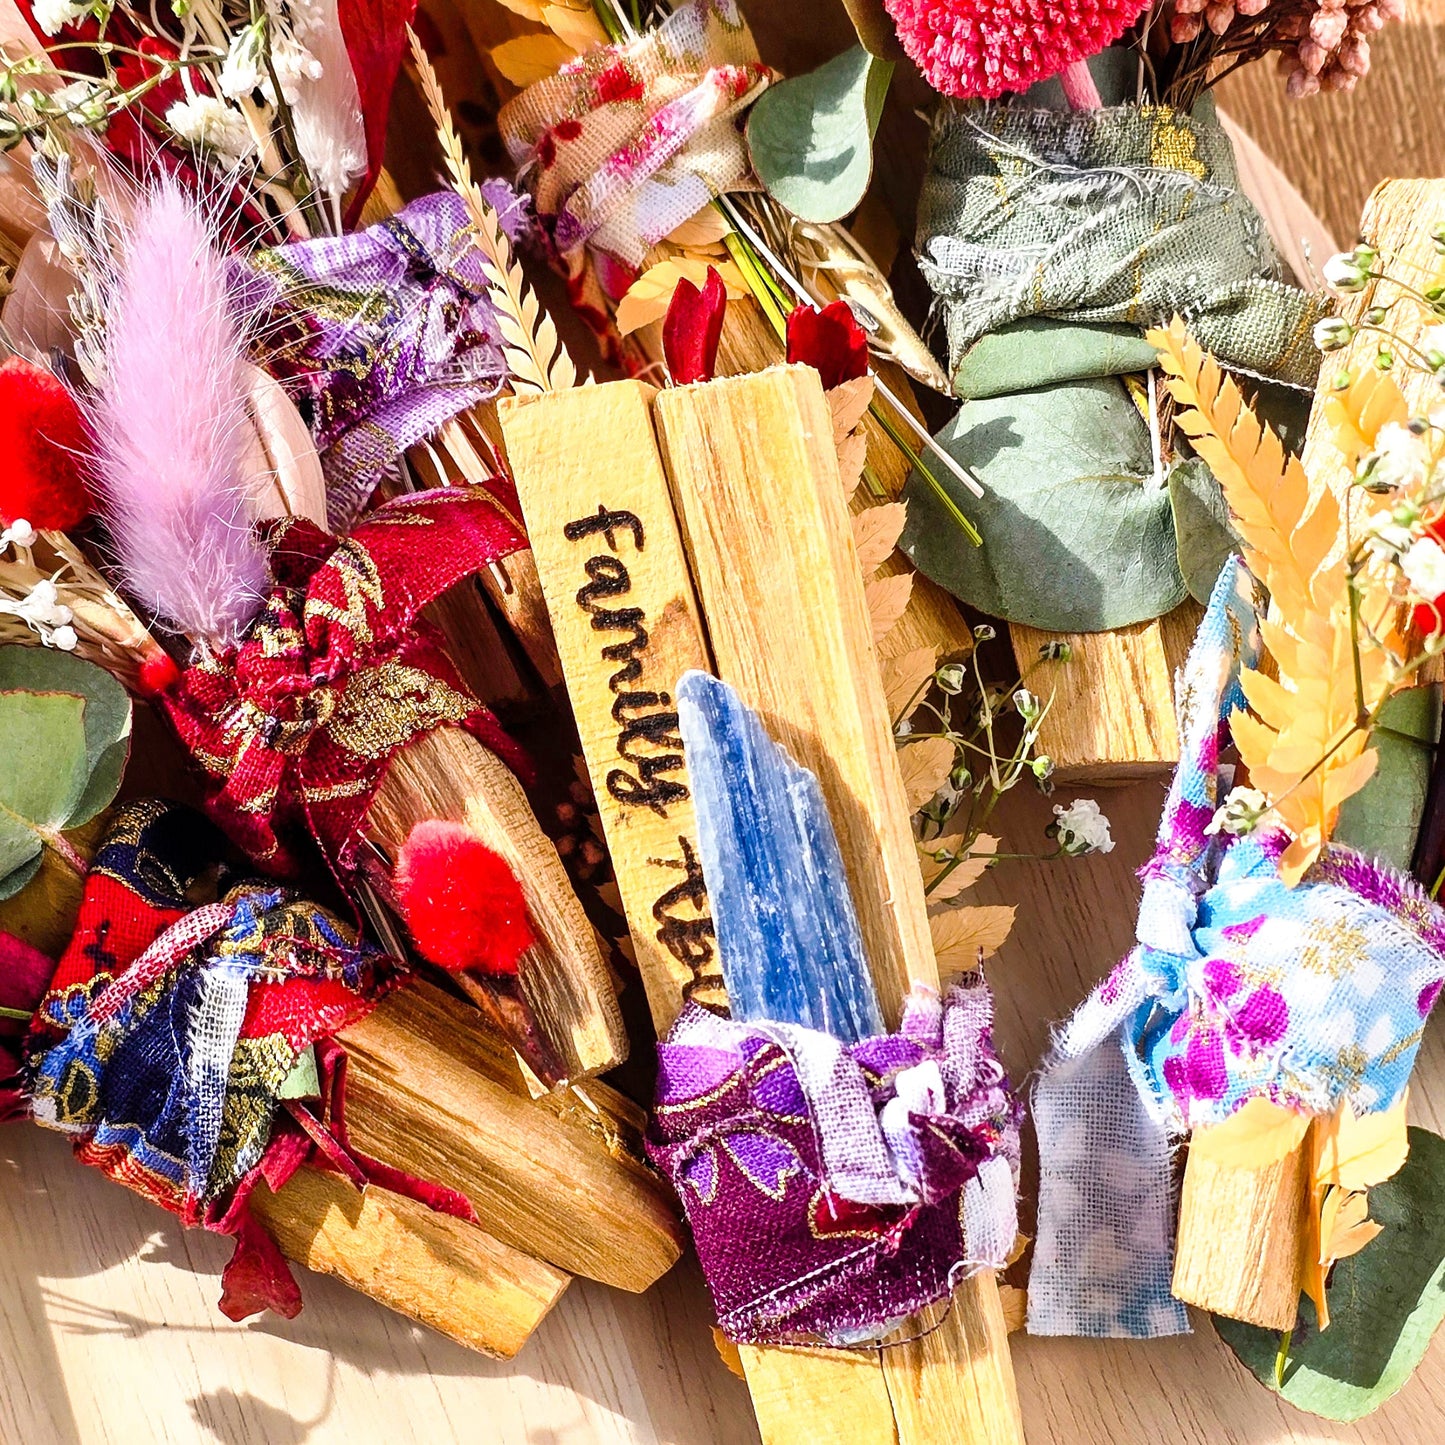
787	935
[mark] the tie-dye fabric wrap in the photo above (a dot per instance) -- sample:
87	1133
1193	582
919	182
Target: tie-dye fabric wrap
1238	987
382	335
833	1189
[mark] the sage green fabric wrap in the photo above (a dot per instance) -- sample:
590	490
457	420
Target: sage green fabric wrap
1125	215
1053	239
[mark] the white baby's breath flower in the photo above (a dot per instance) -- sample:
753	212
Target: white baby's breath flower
1343	272
19	534
1240	813
1082	828
1386	536
52	16
1332	332
82	101
294	64
1424	568
203	120
43	605
1400	459
241	71
64	638
903	729
1432	343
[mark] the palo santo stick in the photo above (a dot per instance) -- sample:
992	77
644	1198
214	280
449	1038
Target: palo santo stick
448	1103
755	483
448	774
627	626
431	1268
1240	1248
513	585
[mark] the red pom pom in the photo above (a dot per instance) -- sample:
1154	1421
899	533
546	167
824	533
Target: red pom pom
42	441
462	903
830	341
158	674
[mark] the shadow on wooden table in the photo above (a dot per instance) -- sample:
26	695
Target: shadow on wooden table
109	1331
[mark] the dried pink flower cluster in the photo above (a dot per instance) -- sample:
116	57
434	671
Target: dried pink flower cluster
1323	44
986	47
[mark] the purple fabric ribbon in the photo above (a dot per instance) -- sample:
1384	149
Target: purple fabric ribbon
383	335
834	1189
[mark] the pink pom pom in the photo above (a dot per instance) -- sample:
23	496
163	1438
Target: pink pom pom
986	47
463	905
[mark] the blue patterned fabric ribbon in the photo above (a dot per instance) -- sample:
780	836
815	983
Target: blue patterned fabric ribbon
1238	987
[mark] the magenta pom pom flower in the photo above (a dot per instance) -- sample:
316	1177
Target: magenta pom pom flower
986	47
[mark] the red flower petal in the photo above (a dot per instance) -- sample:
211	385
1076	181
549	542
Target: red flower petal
830	341
693	328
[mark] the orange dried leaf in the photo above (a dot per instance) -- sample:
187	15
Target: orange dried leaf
887	599
903	679
875	534
962	935
530	58
1354	1153
1256	1135
924	766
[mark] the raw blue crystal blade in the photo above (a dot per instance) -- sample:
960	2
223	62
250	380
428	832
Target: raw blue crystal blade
787	934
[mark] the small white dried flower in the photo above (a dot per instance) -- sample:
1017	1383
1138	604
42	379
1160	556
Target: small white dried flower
1333	333
52	16
43	605
1082	828
205	121
1344	273
1400	459
19	534
1432	343
951	677
1027	704
241	71
1241	813
1424	568
64	638
903	729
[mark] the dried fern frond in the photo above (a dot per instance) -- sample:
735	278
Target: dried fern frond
535	355
1304	743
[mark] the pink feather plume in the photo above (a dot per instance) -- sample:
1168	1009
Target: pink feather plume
169	424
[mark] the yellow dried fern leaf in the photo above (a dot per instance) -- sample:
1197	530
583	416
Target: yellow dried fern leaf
535	357
1303	743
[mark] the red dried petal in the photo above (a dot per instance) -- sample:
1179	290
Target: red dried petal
693	328
830	341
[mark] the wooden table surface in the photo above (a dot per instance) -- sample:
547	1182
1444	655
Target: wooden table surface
108	1325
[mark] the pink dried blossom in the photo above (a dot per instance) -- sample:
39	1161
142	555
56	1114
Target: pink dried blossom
987	47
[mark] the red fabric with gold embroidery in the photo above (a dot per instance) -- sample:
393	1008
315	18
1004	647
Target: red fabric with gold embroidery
296	727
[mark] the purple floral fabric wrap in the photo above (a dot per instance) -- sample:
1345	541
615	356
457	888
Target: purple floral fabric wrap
833	1189
383	335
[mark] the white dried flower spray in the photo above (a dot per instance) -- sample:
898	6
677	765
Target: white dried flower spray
1081	828
209	123
1241	812
1424	568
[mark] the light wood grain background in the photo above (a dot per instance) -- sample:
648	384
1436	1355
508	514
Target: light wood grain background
108	1325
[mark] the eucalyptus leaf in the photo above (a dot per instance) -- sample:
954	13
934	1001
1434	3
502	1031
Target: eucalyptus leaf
43	774
1078	535
1039	351
1385	1303
811	137
107	715
1203	535
1383	818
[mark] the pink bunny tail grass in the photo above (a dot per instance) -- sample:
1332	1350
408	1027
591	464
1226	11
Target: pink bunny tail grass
169	425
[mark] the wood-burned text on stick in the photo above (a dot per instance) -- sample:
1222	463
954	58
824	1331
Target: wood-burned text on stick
648	740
